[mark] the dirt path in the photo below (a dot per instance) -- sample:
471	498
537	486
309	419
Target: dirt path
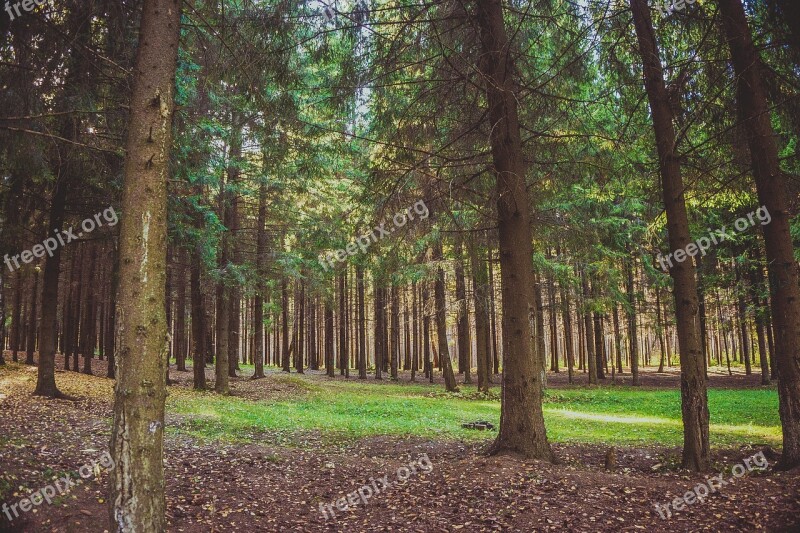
222	487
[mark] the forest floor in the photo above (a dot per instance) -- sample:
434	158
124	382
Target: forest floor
265	458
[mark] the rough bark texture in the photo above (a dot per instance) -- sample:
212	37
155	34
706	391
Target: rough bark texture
198	323
441	322
137	482
261	251
773	194
480	295
694	400
522	427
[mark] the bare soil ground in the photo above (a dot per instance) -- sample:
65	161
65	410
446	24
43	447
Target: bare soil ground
214	487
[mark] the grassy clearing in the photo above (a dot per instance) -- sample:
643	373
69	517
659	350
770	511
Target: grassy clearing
340	411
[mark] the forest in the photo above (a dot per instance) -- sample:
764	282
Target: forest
399	265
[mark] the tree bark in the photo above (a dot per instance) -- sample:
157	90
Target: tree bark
480	296
464	341
137	482
522	427
198	322
693	380
344	366
33	316
441	322
771	185
588	327
362	324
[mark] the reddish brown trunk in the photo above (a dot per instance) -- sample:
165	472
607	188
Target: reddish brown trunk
693	381
772	193
522	427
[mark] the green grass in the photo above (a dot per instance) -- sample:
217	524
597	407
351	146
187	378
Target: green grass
341	411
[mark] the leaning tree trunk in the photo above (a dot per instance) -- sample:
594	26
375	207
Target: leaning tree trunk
137	483
694	400
771	184
522	427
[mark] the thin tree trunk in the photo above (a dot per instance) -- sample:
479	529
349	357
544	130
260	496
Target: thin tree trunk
741	311
286	362
759	308
588	328
344	359
362	324
395	333
198	322
33	316
480	296
330	369
441	322
568	345
464	341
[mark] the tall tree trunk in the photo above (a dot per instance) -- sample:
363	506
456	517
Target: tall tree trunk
33	316
463	338
221	365
16	318
522	427
599	336
344	360
741	311
88	331
261	252
180	312
112	313
379	347
285	361
553	323
660	331
395	331
761	322
362	324
223	303
773	194
137	483
2	318
441	321
566	317
495	356
300	305
693	380
426	331
330	369
701	309
537	327
480	296
198	322
588	327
